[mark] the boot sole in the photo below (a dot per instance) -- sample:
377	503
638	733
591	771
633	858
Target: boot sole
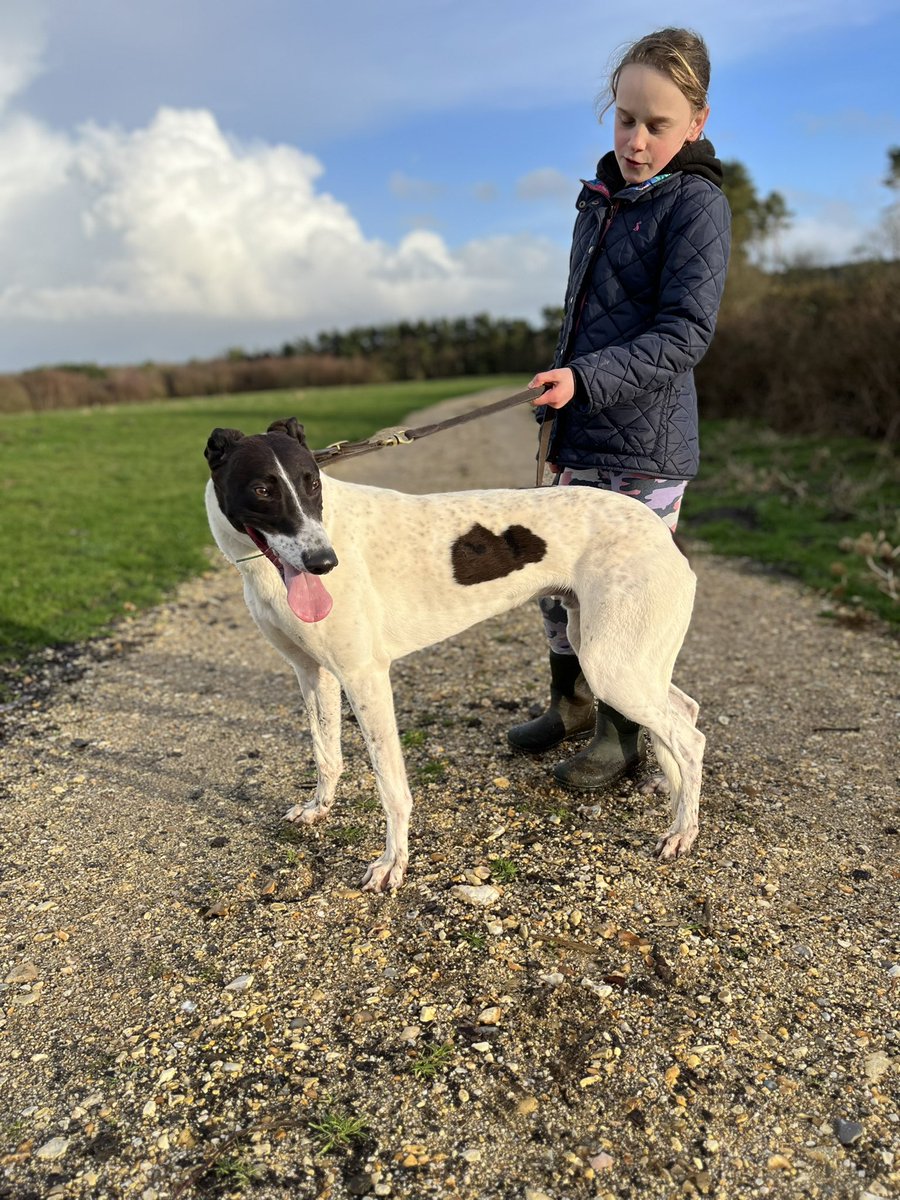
628	772
568	737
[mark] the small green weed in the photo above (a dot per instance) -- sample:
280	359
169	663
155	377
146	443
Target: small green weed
236	1172
477	941
338	1131
413	737
504	870
432	1061
289	834
12	1130
432	771
347	835
367	804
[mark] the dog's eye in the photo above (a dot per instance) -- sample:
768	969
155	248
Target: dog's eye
262	491
314	485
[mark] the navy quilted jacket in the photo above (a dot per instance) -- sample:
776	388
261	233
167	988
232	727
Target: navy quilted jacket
646	276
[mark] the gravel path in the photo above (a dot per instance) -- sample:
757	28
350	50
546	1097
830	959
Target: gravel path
198	1000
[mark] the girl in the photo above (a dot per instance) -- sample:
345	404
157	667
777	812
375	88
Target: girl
647	269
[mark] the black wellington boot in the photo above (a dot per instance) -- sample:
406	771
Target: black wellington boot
615	751
571	711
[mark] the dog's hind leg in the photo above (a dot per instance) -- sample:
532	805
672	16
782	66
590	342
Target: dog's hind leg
680	754
629	686
370	694
628	650
689	705
657	784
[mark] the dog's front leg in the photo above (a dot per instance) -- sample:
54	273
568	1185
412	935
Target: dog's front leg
370	695
322	696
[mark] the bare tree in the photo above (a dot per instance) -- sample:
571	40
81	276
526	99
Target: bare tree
891	219
757	223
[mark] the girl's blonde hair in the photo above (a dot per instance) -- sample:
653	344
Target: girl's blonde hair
679	54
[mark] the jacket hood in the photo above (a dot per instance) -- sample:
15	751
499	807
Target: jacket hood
694	158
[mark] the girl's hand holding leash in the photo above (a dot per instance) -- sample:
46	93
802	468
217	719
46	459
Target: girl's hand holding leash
559	387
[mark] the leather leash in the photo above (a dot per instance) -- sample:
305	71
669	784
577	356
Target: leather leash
397	436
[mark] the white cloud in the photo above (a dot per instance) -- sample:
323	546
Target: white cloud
820	232
543	184
851	122
407	187
178	226
22	39
340	69
485	193
829	234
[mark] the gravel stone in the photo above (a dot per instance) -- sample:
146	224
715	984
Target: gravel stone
848	1132
481	896
52	1150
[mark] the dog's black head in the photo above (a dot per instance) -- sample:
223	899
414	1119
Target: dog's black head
268	486
269	481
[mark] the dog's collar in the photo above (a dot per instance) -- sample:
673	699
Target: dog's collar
265	549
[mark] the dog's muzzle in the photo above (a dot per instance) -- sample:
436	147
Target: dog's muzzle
307	597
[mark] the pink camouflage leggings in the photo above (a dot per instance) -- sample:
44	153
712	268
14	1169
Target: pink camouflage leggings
662	495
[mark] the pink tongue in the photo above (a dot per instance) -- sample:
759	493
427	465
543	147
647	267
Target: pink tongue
307	598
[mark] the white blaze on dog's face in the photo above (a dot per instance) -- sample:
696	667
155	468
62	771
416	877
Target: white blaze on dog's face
268	487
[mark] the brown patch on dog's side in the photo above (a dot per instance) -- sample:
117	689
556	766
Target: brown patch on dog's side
479	555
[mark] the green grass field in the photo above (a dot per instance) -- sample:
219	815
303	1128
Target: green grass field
103	508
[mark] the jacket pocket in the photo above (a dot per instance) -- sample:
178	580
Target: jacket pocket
635	428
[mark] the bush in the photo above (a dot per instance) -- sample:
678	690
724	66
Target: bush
53	388
13	395
815	353
134	385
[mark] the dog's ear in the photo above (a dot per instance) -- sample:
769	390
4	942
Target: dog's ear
221	443
292	427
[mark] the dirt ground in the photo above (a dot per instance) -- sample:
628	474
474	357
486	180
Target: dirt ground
197	1000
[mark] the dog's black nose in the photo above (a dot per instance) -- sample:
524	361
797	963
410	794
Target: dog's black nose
321	562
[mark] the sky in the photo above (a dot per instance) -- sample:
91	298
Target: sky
182	178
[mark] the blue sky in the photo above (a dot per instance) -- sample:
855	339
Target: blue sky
179	178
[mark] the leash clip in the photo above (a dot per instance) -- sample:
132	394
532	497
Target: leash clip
390	437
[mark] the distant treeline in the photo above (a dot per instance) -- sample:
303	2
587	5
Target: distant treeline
79	385
806	350
479	345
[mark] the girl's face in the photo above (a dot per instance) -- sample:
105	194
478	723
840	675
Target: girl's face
653	121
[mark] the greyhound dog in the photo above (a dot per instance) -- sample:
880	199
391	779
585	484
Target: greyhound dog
405	572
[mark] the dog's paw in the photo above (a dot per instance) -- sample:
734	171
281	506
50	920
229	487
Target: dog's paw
676	842
307	814
655	785
384	875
